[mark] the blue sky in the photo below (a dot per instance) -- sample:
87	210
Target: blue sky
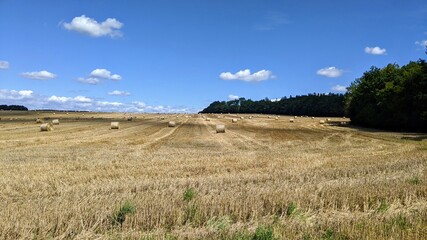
179	56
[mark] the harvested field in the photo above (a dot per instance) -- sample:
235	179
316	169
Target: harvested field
299	180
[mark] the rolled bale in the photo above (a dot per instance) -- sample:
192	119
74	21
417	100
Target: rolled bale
322	121
207	119
220	128
269	117
219	117
130	118
115	125
45	127
250	117
234	120
242	118
276	118
295	117
55	121
291	120
328	119
39	120
312	117
162	118
171	124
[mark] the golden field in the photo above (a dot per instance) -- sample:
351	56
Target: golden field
261	178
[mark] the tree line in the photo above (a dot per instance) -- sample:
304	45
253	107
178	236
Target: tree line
13	107
311	105
392	97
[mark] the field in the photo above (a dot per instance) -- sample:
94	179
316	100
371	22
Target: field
261	178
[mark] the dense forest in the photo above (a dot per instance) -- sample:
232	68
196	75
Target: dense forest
311	105
392	98
13	107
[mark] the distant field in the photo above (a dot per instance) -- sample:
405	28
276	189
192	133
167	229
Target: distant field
262	177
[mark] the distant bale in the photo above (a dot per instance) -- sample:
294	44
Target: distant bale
220	128
38	120
296	117
171	124
328	119
115	125
242	118
322	122
250	117
55	121
130	118
162	118
276	118
219	117
269	117
234	120
45	127
312	117
291	120
207	119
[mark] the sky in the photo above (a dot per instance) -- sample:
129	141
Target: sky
179	56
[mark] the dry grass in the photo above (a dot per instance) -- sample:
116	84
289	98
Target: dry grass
302	180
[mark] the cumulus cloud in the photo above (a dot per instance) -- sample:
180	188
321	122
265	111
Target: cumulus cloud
245	75
422	43
233	97
104	73
339	88
78	99
15	95
110	27
331	72
118	93
41	75
375	50
89	80
4	64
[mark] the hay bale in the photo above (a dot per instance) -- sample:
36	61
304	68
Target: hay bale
162	118
295	117
45	127
130	118
291	120
269	117
250	117
328	119
55	121
219	117
115	125
39	120
312	117
220	128
242	118
276	118
208	119
171	124
234	120
322	122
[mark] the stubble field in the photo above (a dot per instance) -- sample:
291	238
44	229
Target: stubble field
261	178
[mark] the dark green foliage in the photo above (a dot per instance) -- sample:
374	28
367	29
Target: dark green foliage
312	105
392	98
291	209
120	216
13	107
189	194
415	180
263	233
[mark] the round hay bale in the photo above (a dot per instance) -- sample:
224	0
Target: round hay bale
295	117
39	120
208	119
130	118
162	118
220	128
312	117
328	119
322	121
219	117
250	117
291	120
55	121
45	127
276	118
242	118
269	117
234	120
115	125
171	124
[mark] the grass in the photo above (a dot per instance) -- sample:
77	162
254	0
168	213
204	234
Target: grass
262	178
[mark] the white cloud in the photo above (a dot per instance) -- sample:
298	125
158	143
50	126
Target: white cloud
233	97
104	73
422	43
4	64
41	75
110	27
339	88
245	75
375	50
90	80
82	99
59	99
15	95
113	104
331	72
118	93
